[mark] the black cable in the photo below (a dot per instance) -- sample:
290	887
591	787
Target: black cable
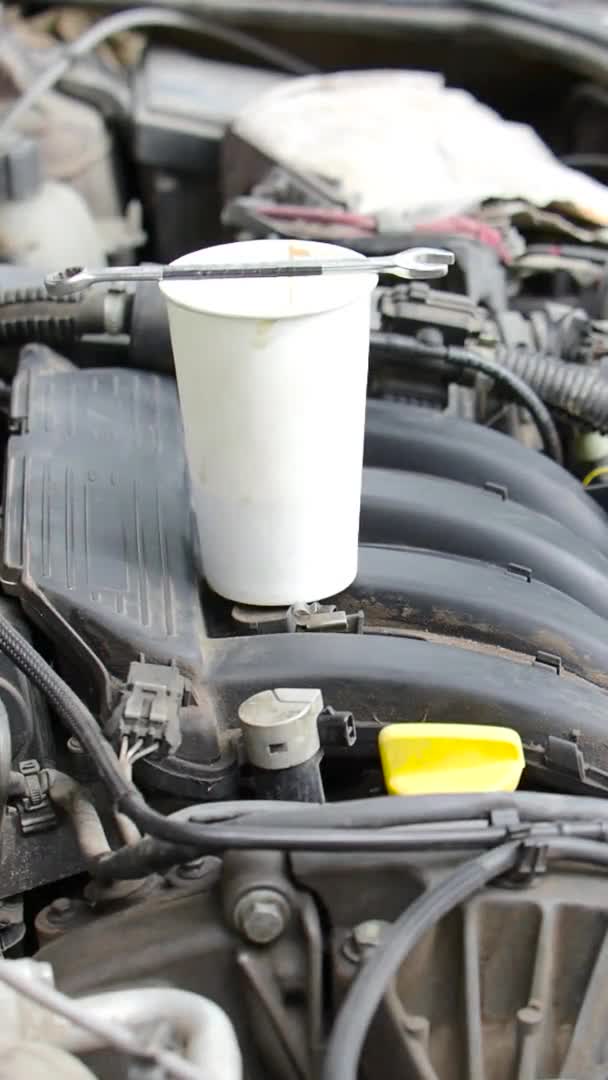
577	391
384	811
470	361
140	18
150	855
571	848
359	1007
264	836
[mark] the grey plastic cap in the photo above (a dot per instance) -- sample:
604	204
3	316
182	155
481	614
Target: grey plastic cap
20	168
280	727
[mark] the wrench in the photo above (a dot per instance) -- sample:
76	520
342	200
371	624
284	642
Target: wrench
417	262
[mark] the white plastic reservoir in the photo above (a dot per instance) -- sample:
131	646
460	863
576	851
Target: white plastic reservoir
272	376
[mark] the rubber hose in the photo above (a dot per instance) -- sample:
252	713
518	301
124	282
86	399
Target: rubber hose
29	315
151	855
580	393
28	294
386	811
526	395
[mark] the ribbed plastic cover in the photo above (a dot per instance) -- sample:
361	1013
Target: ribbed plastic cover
97	509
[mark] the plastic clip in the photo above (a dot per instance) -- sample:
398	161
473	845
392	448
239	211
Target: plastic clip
531	864
510	820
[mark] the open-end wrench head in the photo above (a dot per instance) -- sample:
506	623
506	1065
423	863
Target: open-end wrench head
422	262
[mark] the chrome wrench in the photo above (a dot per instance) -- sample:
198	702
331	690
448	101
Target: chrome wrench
417	262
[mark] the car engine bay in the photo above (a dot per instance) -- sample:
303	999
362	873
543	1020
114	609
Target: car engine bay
210	865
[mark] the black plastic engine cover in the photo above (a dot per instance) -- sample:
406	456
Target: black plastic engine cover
97	513
99	533
430	512
405	437
98	546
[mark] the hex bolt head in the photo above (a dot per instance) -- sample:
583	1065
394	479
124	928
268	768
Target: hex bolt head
194	869
61	905
261	915
363	938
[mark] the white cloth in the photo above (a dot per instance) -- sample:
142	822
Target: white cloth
401	142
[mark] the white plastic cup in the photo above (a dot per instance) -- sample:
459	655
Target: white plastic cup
272	377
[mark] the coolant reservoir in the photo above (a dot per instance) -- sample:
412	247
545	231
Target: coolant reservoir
42	223
272	376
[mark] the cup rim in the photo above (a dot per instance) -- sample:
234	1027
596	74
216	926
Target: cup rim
293	298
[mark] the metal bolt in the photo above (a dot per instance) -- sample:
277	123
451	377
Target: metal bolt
487	337
61	905
261	915
198	868
530	1015
430	335
367	935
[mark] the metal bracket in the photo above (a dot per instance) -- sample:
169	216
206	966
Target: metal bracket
35	809
154	696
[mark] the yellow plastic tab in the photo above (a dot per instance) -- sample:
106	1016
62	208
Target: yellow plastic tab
426	759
